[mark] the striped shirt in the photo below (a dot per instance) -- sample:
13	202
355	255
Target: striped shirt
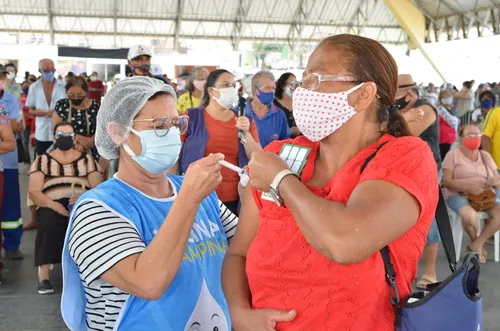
99	239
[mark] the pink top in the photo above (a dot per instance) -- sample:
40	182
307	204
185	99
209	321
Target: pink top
466	171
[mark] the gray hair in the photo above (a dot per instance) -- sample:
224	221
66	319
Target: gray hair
192	75
256	78
42	60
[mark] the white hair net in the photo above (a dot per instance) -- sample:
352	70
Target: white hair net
120	105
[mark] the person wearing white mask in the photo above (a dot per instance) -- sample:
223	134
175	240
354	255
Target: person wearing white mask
448	123
283	100
216	128
11	86
194	87
306	254
144	250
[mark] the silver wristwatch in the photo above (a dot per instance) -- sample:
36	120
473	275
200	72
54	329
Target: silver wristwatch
276	182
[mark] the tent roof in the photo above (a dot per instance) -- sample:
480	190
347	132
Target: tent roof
120	23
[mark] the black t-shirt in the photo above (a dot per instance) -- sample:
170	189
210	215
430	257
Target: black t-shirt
431	134
288	113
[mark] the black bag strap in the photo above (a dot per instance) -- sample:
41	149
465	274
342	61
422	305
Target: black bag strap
444	226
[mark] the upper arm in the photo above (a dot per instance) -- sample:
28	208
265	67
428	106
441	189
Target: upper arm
401	180
104	245
384	216
248	225
94	178
30	101
36	181
430	116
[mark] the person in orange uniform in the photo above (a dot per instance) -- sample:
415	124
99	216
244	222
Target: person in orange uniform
306	254
214	128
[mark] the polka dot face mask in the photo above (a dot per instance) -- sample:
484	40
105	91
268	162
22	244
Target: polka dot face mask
318	114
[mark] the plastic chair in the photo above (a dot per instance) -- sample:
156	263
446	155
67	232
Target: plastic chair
458	232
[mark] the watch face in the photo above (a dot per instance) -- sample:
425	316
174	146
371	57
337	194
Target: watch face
276	197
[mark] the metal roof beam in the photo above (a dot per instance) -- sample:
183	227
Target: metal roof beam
202	19
178	22
50	19
295	30
170	35
239	24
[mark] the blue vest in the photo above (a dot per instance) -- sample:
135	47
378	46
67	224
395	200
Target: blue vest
196	143
195	294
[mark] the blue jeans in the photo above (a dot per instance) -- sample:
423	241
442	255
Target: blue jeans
433	234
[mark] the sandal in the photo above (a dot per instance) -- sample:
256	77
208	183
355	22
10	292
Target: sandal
424	281
482	256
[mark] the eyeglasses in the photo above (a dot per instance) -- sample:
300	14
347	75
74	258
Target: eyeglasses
165	123
60	134
312	81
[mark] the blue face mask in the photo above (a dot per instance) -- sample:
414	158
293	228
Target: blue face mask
158	153
48	76
487	104
266	98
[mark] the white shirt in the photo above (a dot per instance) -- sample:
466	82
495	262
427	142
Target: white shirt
37	100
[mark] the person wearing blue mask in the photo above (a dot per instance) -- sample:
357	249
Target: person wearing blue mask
272	123
144	250
42	98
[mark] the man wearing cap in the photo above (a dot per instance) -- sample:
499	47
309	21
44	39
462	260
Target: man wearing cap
423	122
139	60
11	220
144	250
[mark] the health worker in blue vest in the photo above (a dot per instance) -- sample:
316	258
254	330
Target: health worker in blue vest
144	250
272	123
216	128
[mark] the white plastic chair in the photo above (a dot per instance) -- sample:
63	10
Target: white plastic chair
458	233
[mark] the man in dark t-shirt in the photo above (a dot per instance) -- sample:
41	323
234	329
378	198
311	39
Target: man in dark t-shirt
423	122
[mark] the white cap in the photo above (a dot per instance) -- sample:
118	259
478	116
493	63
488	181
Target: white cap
138	50
156	70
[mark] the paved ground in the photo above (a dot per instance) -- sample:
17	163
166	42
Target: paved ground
22	309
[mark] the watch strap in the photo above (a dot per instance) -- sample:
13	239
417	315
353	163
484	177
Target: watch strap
279	177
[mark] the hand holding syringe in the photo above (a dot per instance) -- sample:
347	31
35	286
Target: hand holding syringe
242	172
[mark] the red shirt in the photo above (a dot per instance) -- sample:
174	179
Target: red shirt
285	272
223	138
447	134
96	90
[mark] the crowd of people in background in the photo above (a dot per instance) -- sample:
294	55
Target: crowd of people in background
57	121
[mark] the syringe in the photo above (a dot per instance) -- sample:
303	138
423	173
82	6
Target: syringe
242	172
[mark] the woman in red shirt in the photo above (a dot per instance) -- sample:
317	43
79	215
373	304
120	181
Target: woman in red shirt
313	263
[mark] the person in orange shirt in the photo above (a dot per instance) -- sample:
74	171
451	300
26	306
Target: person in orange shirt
214	128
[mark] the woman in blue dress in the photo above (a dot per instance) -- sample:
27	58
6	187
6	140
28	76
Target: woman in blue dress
144	249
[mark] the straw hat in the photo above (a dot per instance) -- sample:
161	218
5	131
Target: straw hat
405	81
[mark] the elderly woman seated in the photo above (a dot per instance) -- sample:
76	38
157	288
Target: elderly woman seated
51	178
471	180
